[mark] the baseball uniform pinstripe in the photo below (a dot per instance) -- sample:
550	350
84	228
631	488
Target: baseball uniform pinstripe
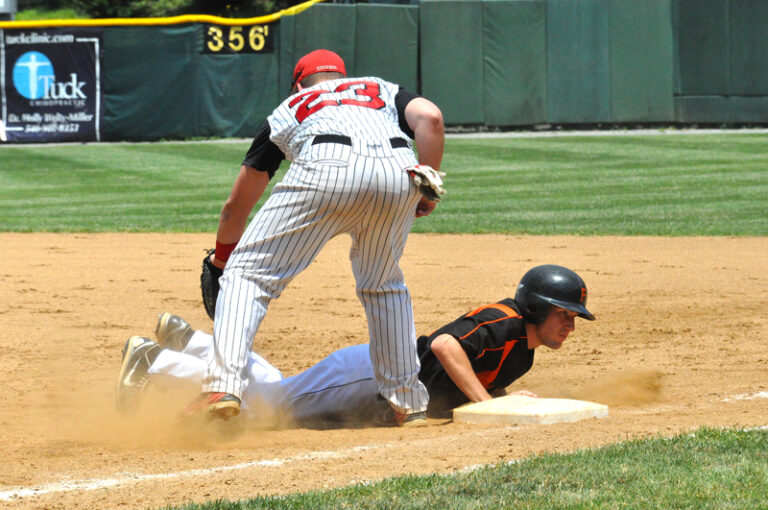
350	182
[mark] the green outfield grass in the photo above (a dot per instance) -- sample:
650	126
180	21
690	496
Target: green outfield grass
708	469
715	184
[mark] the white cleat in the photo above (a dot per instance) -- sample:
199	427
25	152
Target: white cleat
173	332
138	355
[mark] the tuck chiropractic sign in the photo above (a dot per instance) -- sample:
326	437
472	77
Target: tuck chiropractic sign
50	84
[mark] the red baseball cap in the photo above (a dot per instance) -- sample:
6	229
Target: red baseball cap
318	61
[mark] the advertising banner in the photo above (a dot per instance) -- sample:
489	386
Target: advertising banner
50	84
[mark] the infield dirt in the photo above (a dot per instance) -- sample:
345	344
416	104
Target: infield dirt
680	342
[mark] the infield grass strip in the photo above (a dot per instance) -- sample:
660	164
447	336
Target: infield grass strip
709	469
714	184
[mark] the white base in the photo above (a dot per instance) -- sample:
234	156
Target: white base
516	409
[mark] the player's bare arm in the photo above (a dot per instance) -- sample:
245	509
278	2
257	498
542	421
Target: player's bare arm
246	191
426	121
456	364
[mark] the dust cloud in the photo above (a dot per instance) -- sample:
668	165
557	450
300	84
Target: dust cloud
633	388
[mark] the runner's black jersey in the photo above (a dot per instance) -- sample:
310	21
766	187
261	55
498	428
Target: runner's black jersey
495	340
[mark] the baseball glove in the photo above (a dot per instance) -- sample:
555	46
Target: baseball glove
209	284
429	181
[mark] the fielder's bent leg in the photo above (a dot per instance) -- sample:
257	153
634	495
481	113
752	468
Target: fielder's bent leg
376	251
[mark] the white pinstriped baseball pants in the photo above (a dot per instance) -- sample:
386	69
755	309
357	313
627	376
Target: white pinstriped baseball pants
330	189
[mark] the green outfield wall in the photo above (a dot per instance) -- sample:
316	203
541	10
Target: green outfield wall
722	61
495	63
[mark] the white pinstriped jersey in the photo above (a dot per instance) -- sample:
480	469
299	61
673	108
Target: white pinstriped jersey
347	143
356	107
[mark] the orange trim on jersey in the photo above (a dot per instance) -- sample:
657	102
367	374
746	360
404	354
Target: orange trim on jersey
487	378
483	324
504	308
510	314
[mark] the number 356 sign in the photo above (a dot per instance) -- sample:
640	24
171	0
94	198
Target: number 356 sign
238	39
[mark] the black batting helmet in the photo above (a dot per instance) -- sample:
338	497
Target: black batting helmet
551	285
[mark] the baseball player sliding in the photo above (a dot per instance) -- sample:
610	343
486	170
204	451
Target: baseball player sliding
472	359
352	171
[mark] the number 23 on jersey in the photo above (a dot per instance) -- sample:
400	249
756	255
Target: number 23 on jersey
367	95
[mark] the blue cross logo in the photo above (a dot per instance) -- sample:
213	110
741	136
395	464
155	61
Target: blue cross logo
33	74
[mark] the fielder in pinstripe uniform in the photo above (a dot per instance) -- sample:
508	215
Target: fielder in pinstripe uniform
348	143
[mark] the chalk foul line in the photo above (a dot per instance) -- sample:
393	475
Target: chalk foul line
130	478
746	396
18	493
